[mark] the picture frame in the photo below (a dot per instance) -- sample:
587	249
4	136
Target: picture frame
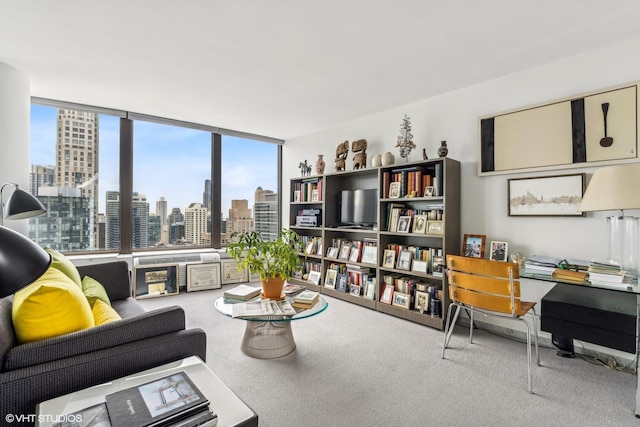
355	290
342	283
330	279
429	191
422	301
498	251
419	266
435	227
230	272
404	260
389	259
401	300
332	252
309	248
345	250
394	190
370	254
315	195
420	224
354	254
556	195
314	277
155	281
387	294
296	196
404	224
370	289
473	245
201	277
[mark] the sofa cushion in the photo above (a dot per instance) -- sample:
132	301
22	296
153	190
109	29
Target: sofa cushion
103	313
65	265
93	290
52	305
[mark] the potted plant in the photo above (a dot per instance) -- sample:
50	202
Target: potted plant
274	260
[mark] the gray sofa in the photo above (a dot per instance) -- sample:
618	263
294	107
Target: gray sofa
34	372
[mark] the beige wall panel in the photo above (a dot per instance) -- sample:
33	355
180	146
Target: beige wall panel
621	125
532	138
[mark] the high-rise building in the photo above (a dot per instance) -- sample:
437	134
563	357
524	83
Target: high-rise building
265	211
112	220
77	144
41	176
240	219
195	223
161	210
176	216
140	218
67	225
206	195
154	230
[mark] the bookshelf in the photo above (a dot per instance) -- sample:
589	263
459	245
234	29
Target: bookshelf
434	229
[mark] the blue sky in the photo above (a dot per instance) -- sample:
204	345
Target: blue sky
169	162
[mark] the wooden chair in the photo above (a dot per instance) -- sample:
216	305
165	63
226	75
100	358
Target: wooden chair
491	288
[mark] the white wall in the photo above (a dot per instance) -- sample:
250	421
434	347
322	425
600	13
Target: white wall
454	117
15	100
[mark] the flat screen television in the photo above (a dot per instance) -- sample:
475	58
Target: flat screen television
359	208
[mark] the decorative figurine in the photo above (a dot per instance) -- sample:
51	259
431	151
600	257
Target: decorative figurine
305	169
443	150
360	159
405	140
424	154
320	165
342	151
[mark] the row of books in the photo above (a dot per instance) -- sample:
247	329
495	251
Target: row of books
352	279
415	181
312	244
415	258
308	190
405	292
397	212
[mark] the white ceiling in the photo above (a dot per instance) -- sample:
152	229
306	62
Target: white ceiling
285	68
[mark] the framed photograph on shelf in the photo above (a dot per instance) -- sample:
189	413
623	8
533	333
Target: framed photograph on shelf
419	266
314	277
401	300
342	284
419	224
315	195
330	279
354	255
387	294
473	245
404	222
389	259
435	227
296	196
498	251
428	191
394	190
558	195
201	277
344	252
422	301
370	289
332	252
309	250
355	290
370	255
155	281
404	260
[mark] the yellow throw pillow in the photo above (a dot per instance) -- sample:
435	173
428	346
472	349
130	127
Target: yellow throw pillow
103	313
94	291
65	265
52	305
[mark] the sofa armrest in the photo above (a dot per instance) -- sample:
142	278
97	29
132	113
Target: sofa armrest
113	275
128	330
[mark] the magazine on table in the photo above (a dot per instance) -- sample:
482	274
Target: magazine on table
263	308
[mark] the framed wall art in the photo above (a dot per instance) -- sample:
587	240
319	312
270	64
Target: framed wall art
155	281
230	272
201	277
558	195
473	245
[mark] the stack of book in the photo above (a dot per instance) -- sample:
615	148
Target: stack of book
241	293
606	273
305	299
537	265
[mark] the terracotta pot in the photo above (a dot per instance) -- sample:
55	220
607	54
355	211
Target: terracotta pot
272	288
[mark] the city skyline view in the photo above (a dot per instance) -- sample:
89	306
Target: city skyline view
169	161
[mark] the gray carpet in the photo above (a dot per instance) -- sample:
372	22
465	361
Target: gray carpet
355	367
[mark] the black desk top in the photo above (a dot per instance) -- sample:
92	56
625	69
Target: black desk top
595	298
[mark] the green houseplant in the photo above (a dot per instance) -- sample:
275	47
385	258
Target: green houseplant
274	260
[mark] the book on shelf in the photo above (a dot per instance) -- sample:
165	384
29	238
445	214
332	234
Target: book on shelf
242	292
161	402
306	297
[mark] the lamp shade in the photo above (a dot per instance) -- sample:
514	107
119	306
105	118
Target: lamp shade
613	188
23	205
21	261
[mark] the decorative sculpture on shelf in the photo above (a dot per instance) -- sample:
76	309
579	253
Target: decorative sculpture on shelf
360	159
405	140
305	169
342	151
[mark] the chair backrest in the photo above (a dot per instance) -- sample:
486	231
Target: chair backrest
484	284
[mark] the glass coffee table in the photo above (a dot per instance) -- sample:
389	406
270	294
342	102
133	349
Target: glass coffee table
269	337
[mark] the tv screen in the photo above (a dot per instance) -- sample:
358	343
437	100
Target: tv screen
359	207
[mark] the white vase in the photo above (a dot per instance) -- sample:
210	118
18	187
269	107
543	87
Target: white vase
388	159
376	161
